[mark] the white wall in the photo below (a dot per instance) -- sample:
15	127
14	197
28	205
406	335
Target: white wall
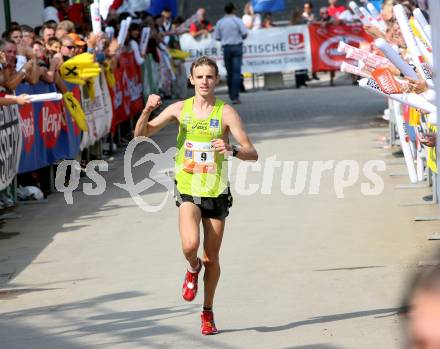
2	18
26	11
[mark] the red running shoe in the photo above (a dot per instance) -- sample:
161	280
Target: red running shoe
189	288
208	324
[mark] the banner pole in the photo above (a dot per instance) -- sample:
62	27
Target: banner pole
182	8
434	11
7	7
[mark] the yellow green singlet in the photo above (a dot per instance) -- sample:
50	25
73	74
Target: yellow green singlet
200	170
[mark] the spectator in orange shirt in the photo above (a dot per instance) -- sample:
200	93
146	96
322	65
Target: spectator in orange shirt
201	26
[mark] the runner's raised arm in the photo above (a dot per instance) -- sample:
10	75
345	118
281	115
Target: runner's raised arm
145	127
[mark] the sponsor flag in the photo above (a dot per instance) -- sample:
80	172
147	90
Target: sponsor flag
104	6
48	131
325	41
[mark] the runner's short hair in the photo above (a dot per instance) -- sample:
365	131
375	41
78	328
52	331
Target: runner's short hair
204	60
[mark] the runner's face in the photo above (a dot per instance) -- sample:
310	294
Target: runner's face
204	80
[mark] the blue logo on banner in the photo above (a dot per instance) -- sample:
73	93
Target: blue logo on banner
214	123
268	5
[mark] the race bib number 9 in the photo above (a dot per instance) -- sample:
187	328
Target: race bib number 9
199	157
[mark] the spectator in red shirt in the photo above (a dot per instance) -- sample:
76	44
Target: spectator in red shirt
201	26
334	10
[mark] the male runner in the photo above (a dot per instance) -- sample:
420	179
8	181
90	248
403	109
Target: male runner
202	194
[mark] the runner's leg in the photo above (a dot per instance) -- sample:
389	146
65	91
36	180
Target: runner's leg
213	234
189	227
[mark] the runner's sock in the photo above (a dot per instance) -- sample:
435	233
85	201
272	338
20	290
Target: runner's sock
196	269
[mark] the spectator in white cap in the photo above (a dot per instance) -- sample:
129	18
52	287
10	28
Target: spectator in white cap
50	13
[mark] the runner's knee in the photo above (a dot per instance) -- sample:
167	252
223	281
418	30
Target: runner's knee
190	247
211	261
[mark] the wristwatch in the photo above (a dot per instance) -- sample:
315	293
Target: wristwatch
234	150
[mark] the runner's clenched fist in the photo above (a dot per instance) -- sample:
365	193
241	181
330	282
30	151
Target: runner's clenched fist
153	102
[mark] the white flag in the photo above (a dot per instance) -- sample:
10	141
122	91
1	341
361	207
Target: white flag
104	6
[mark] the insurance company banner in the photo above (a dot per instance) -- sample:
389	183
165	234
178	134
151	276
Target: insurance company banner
264	51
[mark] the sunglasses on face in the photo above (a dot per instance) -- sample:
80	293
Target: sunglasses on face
70	47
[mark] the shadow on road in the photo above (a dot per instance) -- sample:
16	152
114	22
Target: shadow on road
317	320
315	346
352	268
119	327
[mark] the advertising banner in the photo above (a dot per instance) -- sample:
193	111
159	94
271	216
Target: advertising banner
98	110
49	132
325	40
264	51
126	94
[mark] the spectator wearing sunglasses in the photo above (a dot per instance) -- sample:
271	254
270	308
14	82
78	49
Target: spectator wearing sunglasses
67	47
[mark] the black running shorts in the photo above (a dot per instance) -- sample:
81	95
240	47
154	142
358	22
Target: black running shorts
217	208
